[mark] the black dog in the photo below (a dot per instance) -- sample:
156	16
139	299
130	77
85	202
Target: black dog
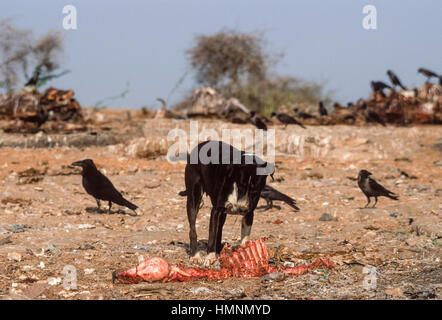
233	180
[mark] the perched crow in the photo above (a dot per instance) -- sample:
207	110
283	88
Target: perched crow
322	110
32	82
100	187
371	188
428	73
379	86
270	194
163	103
303	115
257	121
395	80
286	119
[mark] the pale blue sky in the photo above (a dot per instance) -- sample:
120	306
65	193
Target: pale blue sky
144	42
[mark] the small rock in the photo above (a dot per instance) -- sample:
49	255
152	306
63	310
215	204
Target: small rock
54	281
274	276
14	256
89	271
326	217
202	290
86	226
394	292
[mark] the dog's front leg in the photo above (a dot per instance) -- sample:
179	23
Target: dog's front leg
246	226
217	220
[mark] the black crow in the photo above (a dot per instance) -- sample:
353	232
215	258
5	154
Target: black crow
428	73
371	188
257	121
379	86
99	186
286	119
270	194
303	115
395	80
371	115
322	110
32	82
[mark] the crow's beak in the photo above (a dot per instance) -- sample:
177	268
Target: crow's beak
369	173
77	164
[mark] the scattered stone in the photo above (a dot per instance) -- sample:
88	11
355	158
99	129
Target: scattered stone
326	217
54	281
5	240
86	226
274	276
201	290
394	292
14	256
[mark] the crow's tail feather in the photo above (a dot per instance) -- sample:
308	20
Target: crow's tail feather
393	196
277	195
128	204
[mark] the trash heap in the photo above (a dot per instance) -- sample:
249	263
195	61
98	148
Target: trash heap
31	111
206	102
420	105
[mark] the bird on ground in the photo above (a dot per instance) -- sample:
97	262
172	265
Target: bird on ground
257	121
428	73
322	110
372	116
371	188
303	115
270	194
395	80
100	187
286	119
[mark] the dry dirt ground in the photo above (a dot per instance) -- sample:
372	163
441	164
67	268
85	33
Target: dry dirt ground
49	225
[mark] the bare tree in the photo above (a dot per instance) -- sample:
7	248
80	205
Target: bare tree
228	56
20	52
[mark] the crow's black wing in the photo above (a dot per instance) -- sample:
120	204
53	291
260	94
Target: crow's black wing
270	193
377	189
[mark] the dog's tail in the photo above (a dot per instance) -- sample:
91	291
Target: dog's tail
183	193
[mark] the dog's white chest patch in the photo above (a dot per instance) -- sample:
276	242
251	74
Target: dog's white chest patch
234	204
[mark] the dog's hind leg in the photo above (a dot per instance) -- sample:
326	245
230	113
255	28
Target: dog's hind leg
193	205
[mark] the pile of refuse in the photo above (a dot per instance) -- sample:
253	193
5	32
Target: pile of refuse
31	111
420	105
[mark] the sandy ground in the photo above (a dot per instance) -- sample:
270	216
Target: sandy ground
49	225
